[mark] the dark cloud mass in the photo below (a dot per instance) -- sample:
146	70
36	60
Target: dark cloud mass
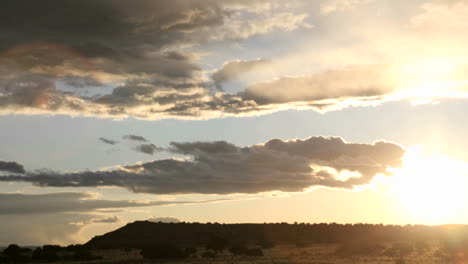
10	166
223	168
139	48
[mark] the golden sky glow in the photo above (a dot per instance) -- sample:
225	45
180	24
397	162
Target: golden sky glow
230	111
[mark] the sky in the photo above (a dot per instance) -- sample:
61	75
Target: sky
233	111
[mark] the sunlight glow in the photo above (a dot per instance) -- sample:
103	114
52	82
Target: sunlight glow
431	188
429	78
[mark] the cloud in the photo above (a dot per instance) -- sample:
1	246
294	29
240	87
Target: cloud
108	141
224	168
112	219
145	148
10	166
442	16
140	48
328	90
149	149
332	6
233	69
106	220
135	138
69	202
244	28
354	83
164	219
147	59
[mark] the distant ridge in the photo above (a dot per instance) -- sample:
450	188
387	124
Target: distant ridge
144	233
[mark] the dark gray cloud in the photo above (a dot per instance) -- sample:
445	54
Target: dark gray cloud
90	26
233	69
135	138
222	168
108	141
69	202
146	147
11	166
149	149
96	42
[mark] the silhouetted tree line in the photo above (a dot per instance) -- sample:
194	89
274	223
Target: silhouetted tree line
143	233
48	253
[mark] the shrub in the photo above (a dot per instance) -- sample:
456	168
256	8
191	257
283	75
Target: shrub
190	251
242	250
421	247
399	252
351	248
254	252
209	254
45	254
217	244
162	251
84	255
238	249
301	244
265	244
452	252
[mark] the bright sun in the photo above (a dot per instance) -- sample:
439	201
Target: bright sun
432	188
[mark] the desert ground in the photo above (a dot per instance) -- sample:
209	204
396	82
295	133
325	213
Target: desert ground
291	254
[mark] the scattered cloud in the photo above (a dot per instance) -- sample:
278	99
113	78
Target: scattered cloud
11	166
164	219
112	219
284	21
145	148
149	149
224	168
135	138
105	220
108	141
332	6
